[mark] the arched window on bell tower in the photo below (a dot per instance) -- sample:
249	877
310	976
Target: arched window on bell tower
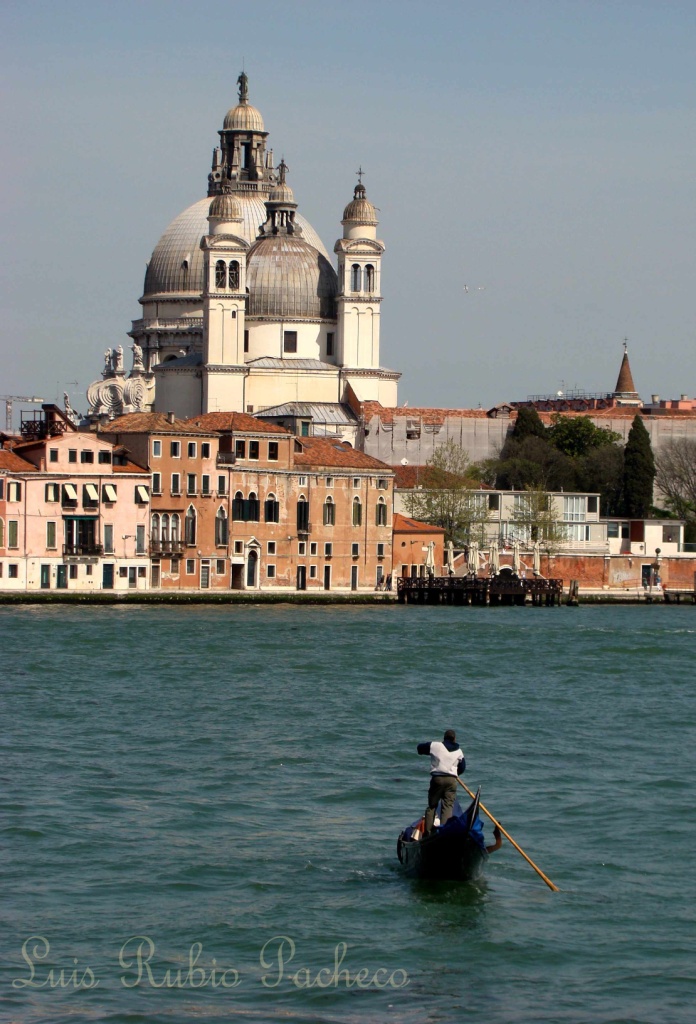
220	274
234	276
355	278
369	278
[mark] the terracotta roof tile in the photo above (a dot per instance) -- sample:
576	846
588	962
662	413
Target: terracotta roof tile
151	423
321	451
402	524
624	384
415	476
237	422
13	464
425	415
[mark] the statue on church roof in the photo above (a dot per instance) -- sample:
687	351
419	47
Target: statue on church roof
243	83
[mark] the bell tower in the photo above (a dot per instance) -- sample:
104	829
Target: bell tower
359	283
241	159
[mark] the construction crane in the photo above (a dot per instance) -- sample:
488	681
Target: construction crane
8	400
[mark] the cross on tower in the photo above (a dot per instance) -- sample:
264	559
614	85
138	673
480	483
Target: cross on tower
360	173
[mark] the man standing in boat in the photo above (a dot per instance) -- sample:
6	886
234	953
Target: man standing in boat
446	763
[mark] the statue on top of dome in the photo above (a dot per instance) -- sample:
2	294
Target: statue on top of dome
282	170
243	83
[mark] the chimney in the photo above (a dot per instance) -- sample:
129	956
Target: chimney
655	399
684	398
170	417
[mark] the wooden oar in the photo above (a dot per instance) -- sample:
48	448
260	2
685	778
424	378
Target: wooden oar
510	839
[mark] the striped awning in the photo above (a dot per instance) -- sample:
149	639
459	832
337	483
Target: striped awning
92	492
141	494
109	492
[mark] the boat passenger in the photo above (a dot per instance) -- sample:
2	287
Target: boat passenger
446	763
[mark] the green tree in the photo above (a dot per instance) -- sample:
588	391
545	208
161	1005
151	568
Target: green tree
536	518
446	498
575	436
639	472
533	462
528	424
601	471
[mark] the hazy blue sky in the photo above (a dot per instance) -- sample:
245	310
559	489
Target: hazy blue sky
540	153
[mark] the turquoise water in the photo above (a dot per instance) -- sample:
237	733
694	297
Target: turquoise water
236	778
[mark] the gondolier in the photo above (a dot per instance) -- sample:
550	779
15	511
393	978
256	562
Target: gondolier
446	763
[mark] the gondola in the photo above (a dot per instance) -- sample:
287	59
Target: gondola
455	851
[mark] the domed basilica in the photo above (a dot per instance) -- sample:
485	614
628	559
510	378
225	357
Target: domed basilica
242	307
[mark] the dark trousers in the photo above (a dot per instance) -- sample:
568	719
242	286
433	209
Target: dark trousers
442	787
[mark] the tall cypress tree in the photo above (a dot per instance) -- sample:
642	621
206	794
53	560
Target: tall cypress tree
639	472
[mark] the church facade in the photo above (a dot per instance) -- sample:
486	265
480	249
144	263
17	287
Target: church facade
243	310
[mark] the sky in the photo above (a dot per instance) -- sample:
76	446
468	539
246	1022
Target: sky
532	163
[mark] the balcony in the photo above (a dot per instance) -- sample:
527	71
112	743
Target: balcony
180	324
226	458
166	547
83	549
304	530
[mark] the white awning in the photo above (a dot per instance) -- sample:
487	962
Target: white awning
109	492
70	492
92	492
141	494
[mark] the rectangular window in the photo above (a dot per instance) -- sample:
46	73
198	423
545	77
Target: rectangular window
271	549
13	571
382	483
613	529
304	428
493	502
123	571
176	484
69	496
2	489
246	341
50	535
222	485
272	451
240	449
593	505
108	539
302	481
290	341
220	566
156	483
205	484
142	494
330	343
355	550
142	572
175	566
105	458
302	547
88	570
329	481
190	566
356	481
380	550
192	448
575	508
175	449
254	450
87	457
190	483
52	454
239	547
109	493
14	491
90	496
312	572
72	454
156	449
313	548
140	539
73	572
12	534
205	449
270	572
328	549
52	492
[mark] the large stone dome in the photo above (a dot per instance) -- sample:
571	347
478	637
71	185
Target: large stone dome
176	264
289	277
244	118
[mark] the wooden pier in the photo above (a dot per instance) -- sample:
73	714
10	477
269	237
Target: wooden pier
672	595
494	590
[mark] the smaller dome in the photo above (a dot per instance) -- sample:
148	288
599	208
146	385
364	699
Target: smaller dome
360	210
243	118
225	207
282	193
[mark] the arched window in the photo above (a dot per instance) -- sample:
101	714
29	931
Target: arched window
234	276
355	278
221	527
369	278
238	507
155	529
165	528
176	527
357	512
303	514
190	525
329	512
253	508
220	274
381	519
271	509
